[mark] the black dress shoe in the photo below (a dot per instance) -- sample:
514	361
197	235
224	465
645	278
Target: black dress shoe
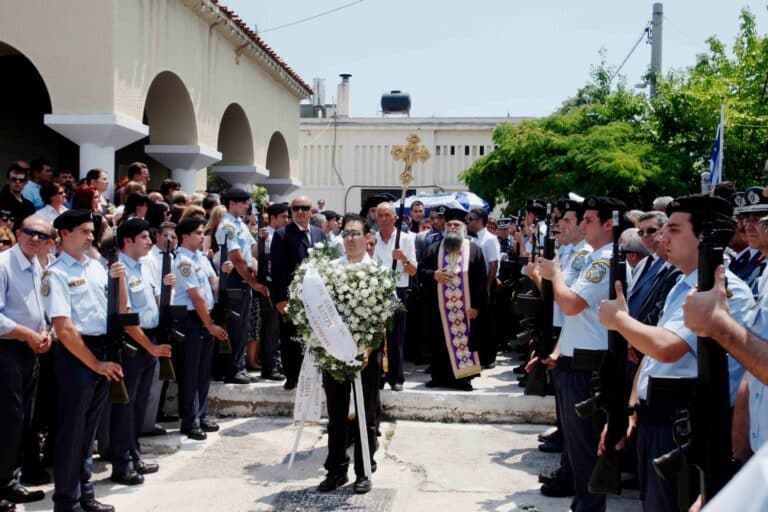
362	485
545	478
557	489
7	506
20	494
130	477
146	468
276	376
207	425
555	435
195	433
96	506
157	430
290	384
397	387
551	447
332	482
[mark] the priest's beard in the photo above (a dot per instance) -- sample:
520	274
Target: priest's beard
454	241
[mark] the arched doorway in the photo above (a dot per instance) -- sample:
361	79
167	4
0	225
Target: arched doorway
24	100
278	160
235	143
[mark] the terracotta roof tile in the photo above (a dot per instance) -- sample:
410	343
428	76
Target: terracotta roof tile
242	25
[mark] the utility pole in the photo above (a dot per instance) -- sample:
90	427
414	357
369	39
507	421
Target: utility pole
656	20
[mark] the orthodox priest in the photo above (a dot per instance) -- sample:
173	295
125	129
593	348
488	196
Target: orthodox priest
454	281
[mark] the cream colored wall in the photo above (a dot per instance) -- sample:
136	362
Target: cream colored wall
153	36
70	43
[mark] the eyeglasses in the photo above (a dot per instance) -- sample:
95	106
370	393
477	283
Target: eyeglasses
17	180
34	233
301	208
649	231
5	241
352	233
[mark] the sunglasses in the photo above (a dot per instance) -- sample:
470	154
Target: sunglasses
649	231
17	180
301	208
5	241
6	218
352	233
34	233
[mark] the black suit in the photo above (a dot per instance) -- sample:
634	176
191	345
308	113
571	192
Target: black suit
288	250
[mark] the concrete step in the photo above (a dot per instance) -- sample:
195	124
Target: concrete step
497	398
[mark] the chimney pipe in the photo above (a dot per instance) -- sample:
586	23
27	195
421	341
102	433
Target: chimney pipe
342	96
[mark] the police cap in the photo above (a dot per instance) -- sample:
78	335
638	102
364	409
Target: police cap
504	223
700	205
756	201
440	210
605	205
70	219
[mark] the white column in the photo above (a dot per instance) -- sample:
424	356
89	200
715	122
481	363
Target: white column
241	176
187	163
99	136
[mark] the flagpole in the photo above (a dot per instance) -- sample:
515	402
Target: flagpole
722	140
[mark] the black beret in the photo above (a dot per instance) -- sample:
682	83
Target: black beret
235	194
455	214
330	214
276	209
569	205
700	204
756	201
536	206
605	205
70	219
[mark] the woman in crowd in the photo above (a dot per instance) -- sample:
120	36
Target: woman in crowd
7	239
54	196
136	207
88	198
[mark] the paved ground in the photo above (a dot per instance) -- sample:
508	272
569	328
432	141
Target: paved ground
421	466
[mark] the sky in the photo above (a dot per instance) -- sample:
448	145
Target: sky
482	57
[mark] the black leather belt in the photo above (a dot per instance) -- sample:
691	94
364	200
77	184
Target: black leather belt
99	341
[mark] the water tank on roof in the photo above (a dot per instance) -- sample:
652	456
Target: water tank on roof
396	102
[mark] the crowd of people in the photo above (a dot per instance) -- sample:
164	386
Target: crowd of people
213	271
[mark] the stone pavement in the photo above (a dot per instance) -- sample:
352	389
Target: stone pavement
421	466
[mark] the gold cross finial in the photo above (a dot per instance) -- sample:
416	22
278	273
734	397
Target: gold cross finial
409	154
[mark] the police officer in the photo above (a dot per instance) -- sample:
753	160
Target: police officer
126	420
23	335
193	290
233	232
582	329
670	347
74	296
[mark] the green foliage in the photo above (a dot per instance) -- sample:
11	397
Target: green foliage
608	140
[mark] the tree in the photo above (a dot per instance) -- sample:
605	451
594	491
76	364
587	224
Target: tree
607	140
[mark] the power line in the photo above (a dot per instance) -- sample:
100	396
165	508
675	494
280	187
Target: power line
646	33
309	18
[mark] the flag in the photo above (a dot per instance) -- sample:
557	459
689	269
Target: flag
716	160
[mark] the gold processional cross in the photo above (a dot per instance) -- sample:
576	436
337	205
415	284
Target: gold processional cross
409	155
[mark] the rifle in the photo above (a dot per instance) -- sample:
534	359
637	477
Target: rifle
609	382
545	343
222	311
702	425
168	313
116	323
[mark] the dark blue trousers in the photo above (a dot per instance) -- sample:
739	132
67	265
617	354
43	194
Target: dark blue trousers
396	345
655	438
566	470
18	384
194	375
82	397
238	328
270	336
126	420
580	435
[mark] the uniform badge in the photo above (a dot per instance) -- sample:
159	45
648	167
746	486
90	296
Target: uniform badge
45	288
229	231
185	268
597	271
579	261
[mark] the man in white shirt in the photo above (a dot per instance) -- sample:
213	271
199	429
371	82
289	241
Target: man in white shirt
405	256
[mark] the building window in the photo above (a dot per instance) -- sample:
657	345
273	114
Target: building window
437	150
482	150
453	150
466	150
